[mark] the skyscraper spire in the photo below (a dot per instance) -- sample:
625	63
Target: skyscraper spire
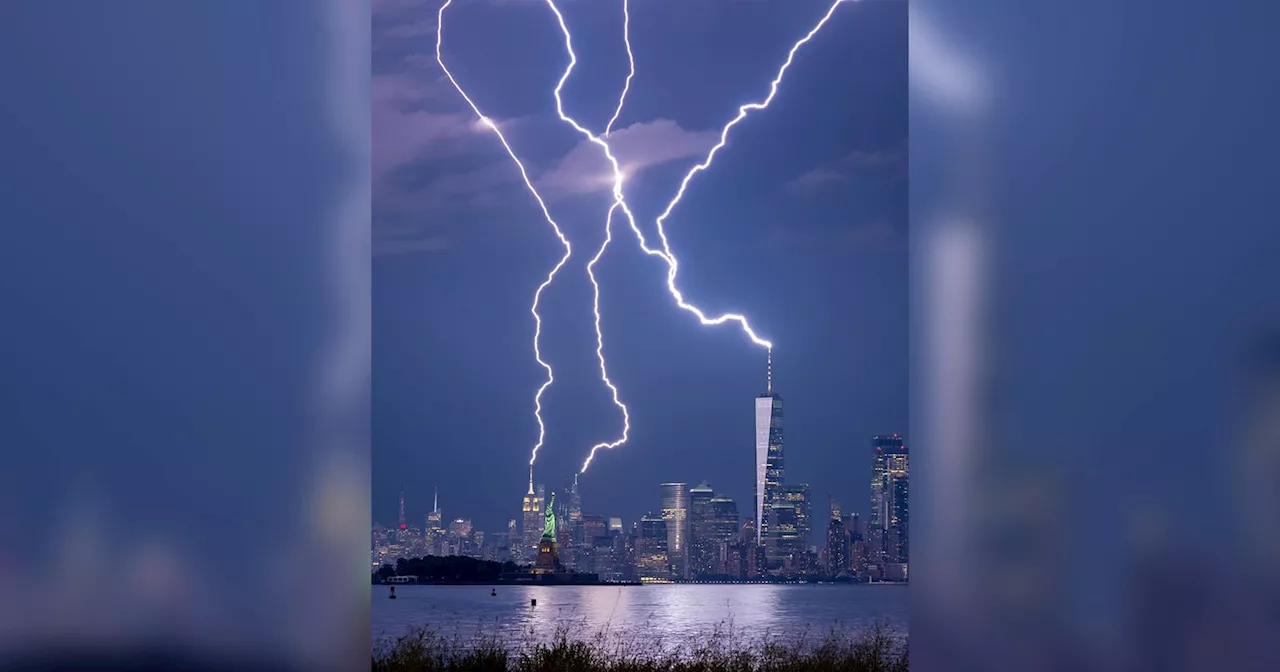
531	479
769	371
435	503
402	525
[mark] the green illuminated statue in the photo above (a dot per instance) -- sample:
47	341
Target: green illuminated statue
549	527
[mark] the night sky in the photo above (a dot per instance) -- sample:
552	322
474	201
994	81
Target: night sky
800	224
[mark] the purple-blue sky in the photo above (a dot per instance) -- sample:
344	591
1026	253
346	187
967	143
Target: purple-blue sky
170	197
800	224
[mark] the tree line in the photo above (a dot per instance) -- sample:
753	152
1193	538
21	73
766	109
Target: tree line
449	569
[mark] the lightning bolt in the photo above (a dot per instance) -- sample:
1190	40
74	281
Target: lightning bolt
631	60
664	253
619	178
673	266
619	201
724	139
604	373
568	249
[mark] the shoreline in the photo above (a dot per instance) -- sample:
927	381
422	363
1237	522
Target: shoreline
503	583
640	583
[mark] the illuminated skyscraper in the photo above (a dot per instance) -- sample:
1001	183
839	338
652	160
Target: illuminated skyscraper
769	462
434	521
651	548
402	525
701	549
593	528
857	545
532	509
724	519
460	527
574	504
566	527
723	532
837	543
887	529
798	497
675	511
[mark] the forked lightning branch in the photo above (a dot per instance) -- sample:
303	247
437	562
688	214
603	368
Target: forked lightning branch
601	140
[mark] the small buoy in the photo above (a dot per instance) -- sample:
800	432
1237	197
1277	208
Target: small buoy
533	602
493	593
393	593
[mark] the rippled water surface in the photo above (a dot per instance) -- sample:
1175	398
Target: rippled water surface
673	614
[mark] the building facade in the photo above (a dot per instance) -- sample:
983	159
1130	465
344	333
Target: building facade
837	546
889	524
724	532
532	510
702	548
675	511
770	466
651	562
797	540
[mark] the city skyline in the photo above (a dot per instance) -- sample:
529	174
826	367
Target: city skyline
782	508
695	533
206	382
807	236
772	418
528	514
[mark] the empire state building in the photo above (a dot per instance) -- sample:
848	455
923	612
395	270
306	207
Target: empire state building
532	511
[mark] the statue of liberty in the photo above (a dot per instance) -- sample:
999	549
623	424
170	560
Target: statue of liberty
548	561
549	526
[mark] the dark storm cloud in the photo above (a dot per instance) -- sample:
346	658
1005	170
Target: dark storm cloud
421	120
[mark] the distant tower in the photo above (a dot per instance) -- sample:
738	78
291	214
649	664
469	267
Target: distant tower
837	541
402	525
789	526
532	512
889	522
701	542
651	558
574	509
434	521
769	462
768	371
675	511
723	531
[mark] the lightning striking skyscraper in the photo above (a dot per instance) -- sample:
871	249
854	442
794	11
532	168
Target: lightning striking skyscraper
618	202
664	253
618	179
568	249
724	138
